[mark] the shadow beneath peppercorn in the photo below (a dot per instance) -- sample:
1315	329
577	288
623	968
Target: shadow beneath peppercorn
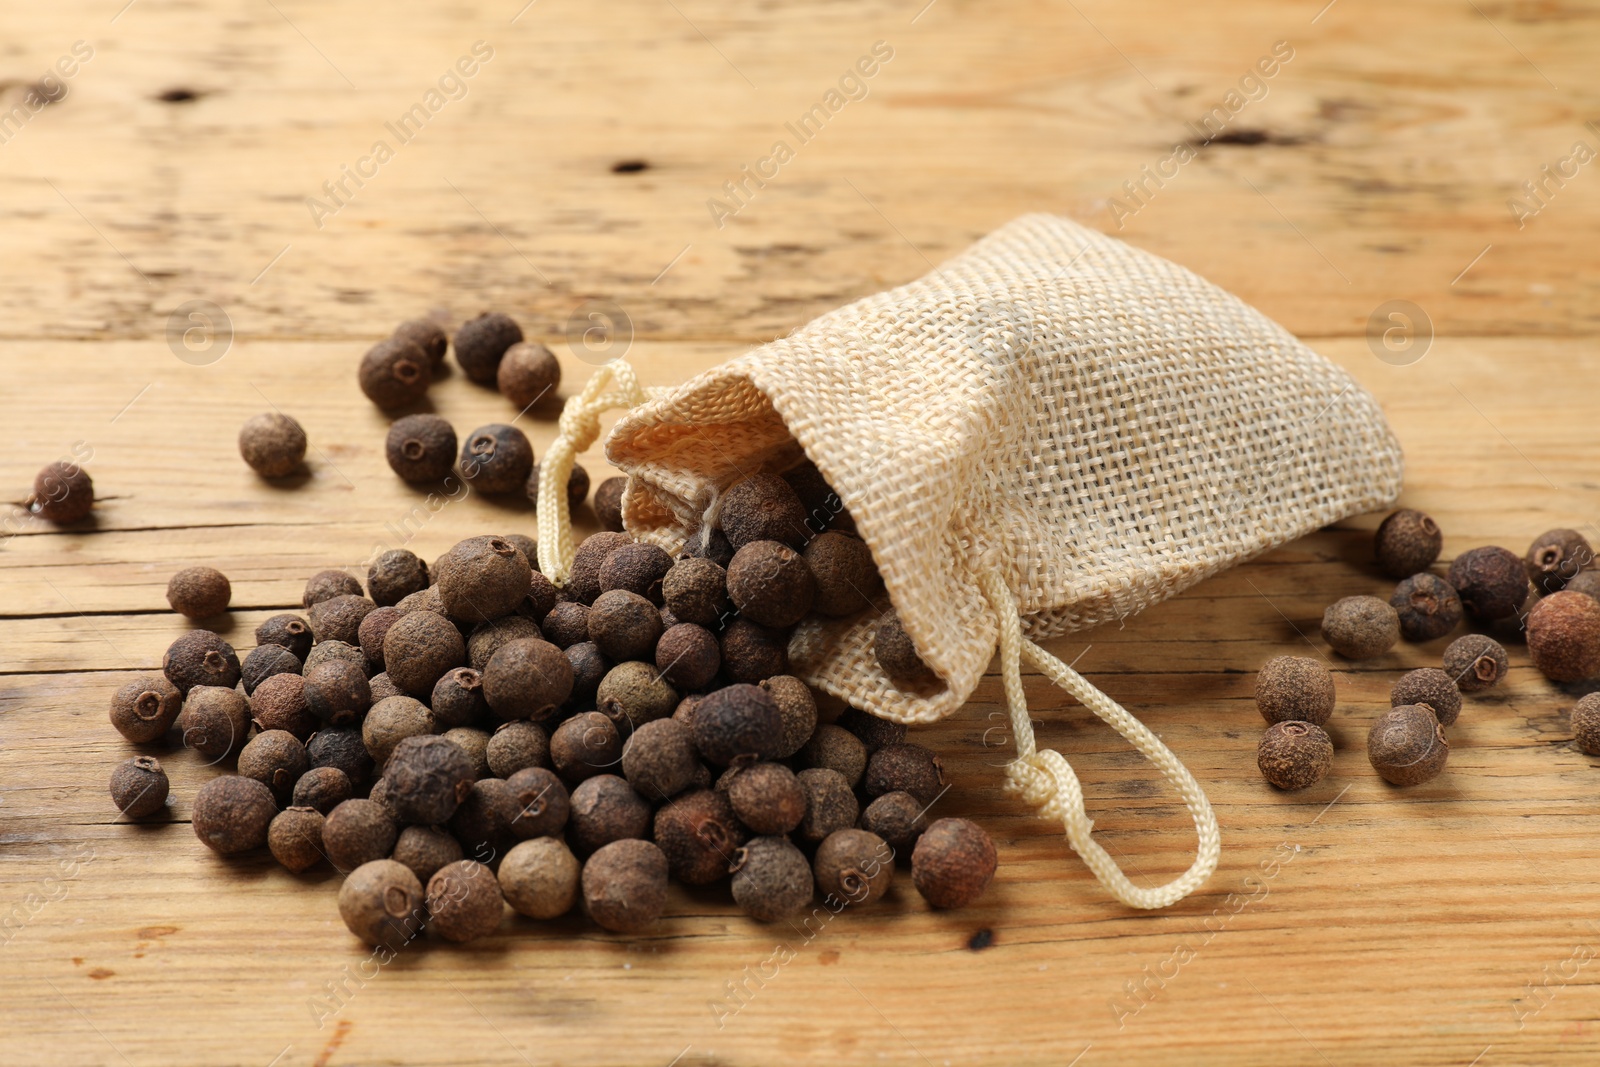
295	479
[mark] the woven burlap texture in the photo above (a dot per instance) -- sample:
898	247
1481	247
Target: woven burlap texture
1096	425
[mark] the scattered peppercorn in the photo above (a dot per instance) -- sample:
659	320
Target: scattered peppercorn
266	661
487	638
334	652
428	778
1360	627
625	885
273	444
1428	607
343	749
474	742
497	459
295	838
528	373
515	745
1564	637
63	493
200	657
395	575
199	592
767	797
458	699
337	693
464	901
290	631
898	818
698	833
527	679
1586	724
583	583
419	649
1407	745
1294	755
687	655
624	625
837	749
1475	662
816	496
853	866
383	687
483	578
1407	543
604	809
771	584
847	580
215	721
482	821
322	788
543	803
1586	582
1430	686
696	590
1556	557
421	448
1292	688
953	863
589	668
339	618
481	343
608	503
395	373
738	721
139	787
144	709
567	624
358	831
634	693
374	628
763	507
830	805
751	653
585	745
276	759
797	706
231	814
426	334
391	721
381	903
539	878
905	768
325	585
1492	582
897	654
771	878
425	849
659	759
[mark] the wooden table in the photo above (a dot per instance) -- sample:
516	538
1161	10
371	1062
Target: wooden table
1353	923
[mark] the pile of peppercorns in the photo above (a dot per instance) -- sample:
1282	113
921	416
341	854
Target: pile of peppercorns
1489	585
466	735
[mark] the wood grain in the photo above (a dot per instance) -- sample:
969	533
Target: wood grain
1353	923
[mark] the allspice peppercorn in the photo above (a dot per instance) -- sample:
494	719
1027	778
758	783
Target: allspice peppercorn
589	669
290	631
279	703
1407	543
358	831
604	809
853	867
1360	627
528	373
583	583
659	759
464	901
1492	582
428	779
797	707
585	745
263	662
276	759
199	592
483	820
837	749
905	768
1475	662
767	797
373	629
139	787
344	749
474	742
897	818
395	575
421	448
325	585
334	652
830	805
634	693
426	334
63	493
1407	745
481	343
638	568
539	878
1428	607
1294	755
419	648
515	745
763	507
458	699
771	879
751	653
688	656
1564	637
273	444
425	849
738	721
200	657
339	618
698	833
393	720
1586	724
482	578
231	814
543	803
496	459
846	577
608	503
1586	582
382	903
624	625
1292	688
1556	557
144	709
527	679
337	693
395	373
215	721
1430	686
708	542
953	863
323	789
625	886
295	838
771	584
383	687
696	590
487	638
897	655
567	624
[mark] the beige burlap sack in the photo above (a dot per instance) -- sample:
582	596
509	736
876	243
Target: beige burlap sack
1052	430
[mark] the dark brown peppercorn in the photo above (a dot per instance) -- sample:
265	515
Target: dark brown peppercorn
1475	662
853	866
567	624
797	706
608	503
322	788
464	901
539	878
1294	688
1294	755
898	819
1564	637
325	585
771	879
625	886
637	568
395	575
625	625
1360	627
290	631
583	584
837	749
334	652
847	580
295	838
276	759
1430	686
739	721
543	803
1428	607
231	814
516	745
873	731
425	849
528	373
905	768
1586	724
1586	582
496	459
273	444
817	497
1407	543
771	584
542	595
483	578
688	656
1407	745
419	649
215	721
763	507
200	657
482	821
699	833
392	721
474	742
897	654
358	831
339	618
634	693
337	693
343	749
1556	557
395	373
62	493
458	699
383	687
830	805
605	809
751	653
199	592
659	759
1492	582
589	668
696	590
428	778
527	679
708	542
767	797
381	903
421	448
585	745
139	787
481	343
374	628
426	334
953	863
145	709
266	661
577	489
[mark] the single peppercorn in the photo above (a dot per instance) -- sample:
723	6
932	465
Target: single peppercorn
1430	686
699	833
339	618
897	654
589	669
483	578
334	652
543	803
1492	582
263	662
696	590
899	819
383	687
481	343
527	679
321	788
144	709
273	444
767	797
337	693
625	886
763	507
1407	745
771	879
200	657
1586	582
344	749
428	778
1360	627
199	592
515	745
604	809
837	749
687	656
1294	755
1294	688
830	805
634	693
1586	724
1556	557
608	503
797	706
325	585
419	648
290	631
659	759
392	721
215	721
425	849
395	575
771	584
583	583
624	625
374	628
139	787
905	768
585	745
873	731
395	373
847	580
421	448
539	878
637	568
1427	606
1564	637
496	459
542	595
482	821
567	624
474	742
1407	543
738	721
63	493
528	373
1475	662
358	831
953	863
426	334
295	838
464	901
231	814
458	699
751	653
276	759
853	867
382	903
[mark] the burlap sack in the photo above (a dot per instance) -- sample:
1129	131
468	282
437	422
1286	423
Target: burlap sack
1053	429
